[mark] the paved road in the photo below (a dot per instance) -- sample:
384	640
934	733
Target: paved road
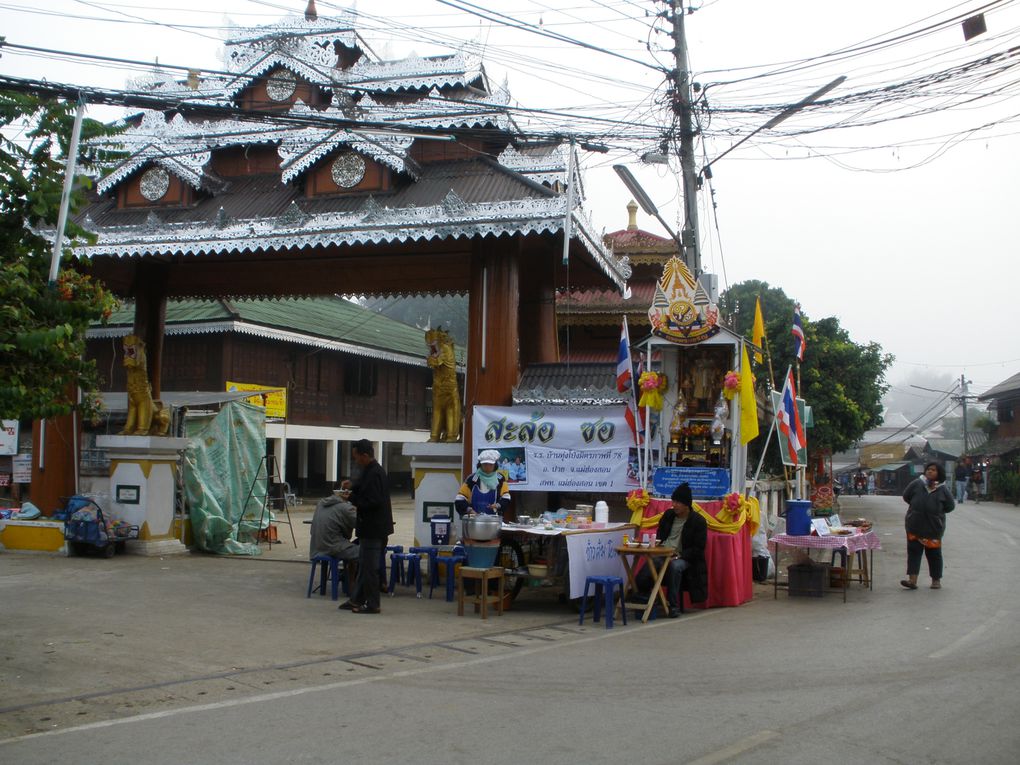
212	660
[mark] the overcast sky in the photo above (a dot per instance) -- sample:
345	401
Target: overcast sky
906	229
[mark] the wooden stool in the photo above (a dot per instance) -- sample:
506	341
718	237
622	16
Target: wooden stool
482	597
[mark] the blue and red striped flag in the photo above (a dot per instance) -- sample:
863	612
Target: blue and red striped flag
799	343
788	417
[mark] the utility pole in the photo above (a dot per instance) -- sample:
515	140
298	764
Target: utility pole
964	382
689	235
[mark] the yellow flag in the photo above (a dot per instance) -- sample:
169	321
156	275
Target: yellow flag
758	332
748	405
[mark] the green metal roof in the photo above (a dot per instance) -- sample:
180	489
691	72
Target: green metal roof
329	318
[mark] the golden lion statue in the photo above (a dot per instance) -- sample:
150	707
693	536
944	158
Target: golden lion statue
145	417
445	396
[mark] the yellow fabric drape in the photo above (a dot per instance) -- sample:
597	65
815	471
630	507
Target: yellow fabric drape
727	522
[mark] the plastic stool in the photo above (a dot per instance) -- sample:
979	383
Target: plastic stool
451	560
482	597
432	552
401	575
604	586
328	566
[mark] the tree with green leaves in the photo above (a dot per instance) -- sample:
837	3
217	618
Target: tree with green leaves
842	381
42	326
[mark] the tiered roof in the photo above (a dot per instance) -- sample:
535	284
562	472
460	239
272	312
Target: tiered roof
370	107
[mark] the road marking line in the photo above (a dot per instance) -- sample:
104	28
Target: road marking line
737	747
972	635
226	704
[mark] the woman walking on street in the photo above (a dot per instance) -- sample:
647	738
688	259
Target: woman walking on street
928	501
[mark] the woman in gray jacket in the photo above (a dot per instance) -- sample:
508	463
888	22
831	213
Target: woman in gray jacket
928	501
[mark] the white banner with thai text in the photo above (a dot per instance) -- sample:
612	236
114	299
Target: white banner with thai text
594	554
576	450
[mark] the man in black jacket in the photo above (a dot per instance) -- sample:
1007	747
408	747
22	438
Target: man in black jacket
371	498
686	532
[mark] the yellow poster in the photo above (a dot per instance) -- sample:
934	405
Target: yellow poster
275	400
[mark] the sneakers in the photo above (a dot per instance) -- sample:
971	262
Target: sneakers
908	584
673	613
936	584
348	606
365	610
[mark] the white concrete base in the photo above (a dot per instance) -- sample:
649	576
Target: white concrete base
436	471
156	548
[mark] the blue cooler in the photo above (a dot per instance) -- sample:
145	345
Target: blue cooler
440	529
798	517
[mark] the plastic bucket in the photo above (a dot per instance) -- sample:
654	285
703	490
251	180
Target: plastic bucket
481	556
798	517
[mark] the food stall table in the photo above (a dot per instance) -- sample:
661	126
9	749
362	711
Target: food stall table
866	542
657	559
600	542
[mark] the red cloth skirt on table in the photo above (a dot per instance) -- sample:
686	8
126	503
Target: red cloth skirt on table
728	557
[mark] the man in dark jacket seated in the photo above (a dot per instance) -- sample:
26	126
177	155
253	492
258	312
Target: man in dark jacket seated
687	533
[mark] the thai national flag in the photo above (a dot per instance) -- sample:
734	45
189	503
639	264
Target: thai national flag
624	364
788	417
625	382
798	334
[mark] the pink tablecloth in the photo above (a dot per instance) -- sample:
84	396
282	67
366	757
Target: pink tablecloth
851	543
728	557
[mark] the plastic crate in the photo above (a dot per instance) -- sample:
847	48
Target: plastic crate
807	580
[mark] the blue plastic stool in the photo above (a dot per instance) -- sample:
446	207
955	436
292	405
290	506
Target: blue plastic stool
432	552
605	587
399	574
450	559
382	564
327	566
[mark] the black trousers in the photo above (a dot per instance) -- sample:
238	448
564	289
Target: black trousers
366	591
934	555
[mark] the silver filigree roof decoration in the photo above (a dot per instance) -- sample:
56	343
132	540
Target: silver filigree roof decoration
148	143
293	217
453	204
152	222
547	165
413	72
302	148
221	221
419	224
371	211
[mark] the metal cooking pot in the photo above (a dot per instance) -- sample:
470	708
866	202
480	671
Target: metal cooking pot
480	527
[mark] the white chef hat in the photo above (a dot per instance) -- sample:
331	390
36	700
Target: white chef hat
489	456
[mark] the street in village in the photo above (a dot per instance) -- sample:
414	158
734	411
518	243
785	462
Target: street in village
202	659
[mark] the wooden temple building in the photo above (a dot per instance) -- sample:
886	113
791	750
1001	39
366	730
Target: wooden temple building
310	167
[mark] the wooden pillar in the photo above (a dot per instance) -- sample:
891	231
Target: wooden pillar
54	452
493	359
150	318
537	310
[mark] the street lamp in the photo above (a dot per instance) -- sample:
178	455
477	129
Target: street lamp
642	198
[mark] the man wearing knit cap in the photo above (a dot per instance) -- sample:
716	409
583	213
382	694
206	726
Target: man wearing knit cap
687	533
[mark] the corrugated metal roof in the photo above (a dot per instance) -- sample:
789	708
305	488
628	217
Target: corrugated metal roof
1010	385
266	196
568	385
330	318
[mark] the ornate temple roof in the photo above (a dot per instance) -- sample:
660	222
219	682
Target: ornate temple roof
520	192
